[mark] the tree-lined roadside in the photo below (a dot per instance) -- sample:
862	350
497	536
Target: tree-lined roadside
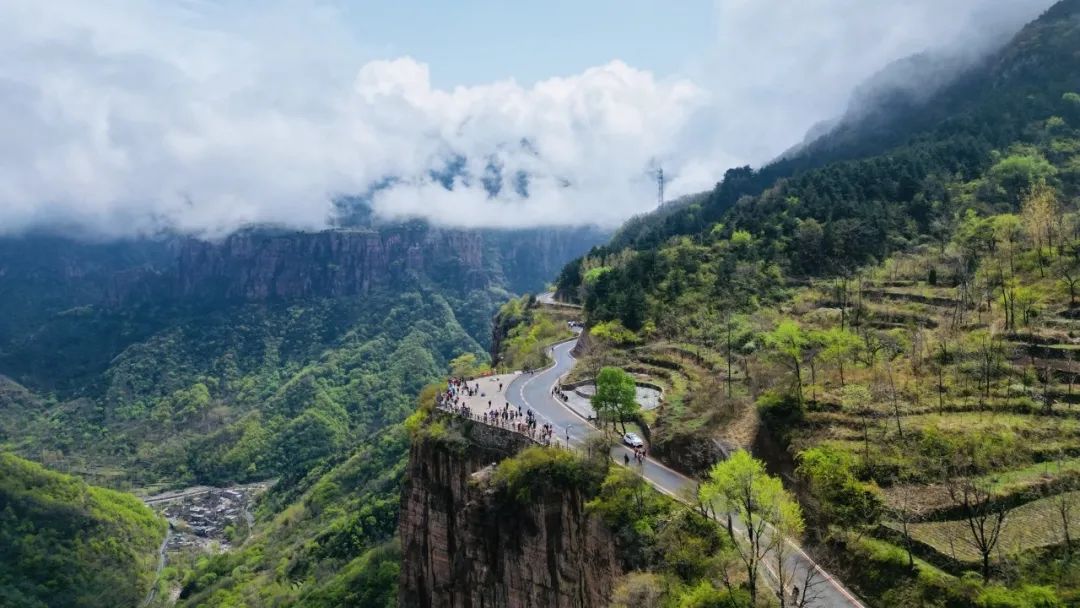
534	393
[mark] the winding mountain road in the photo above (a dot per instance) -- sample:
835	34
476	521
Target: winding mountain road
534	392
548	298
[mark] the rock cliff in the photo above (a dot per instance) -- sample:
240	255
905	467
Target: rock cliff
50	274
262	265
258	266
465	547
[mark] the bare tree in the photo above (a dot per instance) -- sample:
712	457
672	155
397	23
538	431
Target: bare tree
787	526
729	327
808	588
906	511
985	517
1065	504
892	350
942	361
989	353
841	289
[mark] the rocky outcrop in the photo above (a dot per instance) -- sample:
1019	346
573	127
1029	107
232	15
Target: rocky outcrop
257	266
690	453
530	258
504	322
52	273
465	546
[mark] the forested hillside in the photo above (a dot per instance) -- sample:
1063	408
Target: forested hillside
267	356
887	316
327	541
891	325
248	392
69	544
987	108
184	361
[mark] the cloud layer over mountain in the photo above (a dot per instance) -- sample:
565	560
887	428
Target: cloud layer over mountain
122	116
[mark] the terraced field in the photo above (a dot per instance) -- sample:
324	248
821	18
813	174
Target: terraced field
946	384
695	412
908	382
1036	524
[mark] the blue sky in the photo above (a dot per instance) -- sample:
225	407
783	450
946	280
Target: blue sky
475	41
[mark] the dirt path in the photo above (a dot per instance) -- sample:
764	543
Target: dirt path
150	595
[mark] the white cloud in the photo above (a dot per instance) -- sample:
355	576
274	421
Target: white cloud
778	67
121	116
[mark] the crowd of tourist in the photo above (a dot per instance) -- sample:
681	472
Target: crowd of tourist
506	416
453	399
639	457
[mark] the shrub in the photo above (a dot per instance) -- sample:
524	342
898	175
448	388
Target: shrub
614	332
1028	596
780	410
704	595
537	468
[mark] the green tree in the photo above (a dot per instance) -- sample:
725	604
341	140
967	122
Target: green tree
838	345
191	401
464	365
839	497
770	515
615	396
1018	173
1008	229
632	311
788	341
1041	214
787	528
809	240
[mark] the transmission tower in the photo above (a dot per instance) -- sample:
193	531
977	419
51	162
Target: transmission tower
660	184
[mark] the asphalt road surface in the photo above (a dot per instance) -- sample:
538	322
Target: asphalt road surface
548	297
533	391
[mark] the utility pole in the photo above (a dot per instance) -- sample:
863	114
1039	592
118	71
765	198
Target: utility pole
660	183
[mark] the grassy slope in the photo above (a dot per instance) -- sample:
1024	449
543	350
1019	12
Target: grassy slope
1029	526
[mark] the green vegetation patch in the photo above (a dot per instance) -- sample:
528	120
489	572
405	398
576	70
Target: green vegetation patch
525	329
329	541
536	469
64	543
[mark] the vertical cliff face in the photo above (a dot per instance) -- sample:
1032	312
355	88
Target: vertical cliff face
261	265
46	274
258	266
530	258
464	546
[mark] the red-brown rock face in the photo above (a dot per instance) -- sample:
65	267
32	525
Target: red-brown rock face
463	548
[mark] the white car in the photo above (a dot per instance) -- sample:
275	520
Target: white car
632	440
